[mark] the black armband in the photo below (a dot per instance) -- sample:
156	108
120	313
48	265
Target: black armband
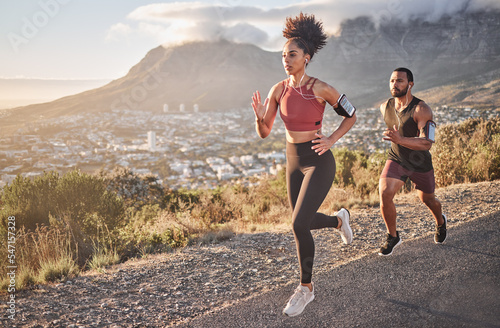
430	131
344	107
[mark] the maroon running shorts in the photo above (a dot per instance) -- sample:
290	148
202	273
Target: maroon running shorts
423	181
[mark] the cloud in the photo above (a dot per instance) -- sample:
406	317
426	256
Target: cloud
248	33
197	21
199	11
171	23
117	31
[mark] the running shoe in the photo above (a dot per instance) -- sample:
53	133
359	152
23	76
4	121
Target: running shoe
298	301
390	244
440	235
345	229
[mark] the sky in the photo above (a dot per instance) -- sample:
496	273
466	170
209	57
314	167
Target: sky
103	39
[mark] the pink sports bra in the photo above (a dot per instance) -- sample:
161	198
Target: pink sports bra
300	114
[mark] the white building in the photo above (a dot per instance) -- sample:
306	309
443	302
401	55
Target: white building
235	160
277	156
151	140
247	160
179	167
224	172
215	161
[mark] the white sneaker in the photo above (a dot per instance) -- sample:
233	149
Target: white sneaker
345	229
298	301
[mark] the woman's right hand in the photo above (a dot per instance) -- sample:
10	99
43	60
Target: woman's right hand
258	107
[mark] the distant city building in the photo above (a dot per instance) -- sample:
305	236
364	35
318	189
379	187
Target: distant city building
182	108
235	160
196	108
215	161
151	140
165	108
224	172
193	145
247	160
275	169
280	156
179	167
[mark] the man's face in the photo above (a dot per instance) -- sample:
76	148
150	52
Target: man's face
399	84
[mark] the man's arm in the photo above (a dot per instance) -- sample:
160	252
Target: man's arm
423	114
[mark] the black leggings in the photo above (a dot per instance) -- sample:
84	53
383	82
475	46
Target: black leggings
309	177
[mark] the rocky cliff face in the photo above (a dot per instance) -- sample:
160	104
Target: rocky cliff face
468	38
358	61
451	50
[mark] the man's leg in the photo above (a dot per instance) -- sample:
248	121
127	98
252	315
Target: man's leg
433	204
388	187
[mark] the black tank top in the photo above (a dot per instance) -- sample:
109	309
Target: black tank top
413	160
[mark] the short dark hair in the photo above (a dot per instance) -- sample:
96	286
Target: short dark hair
409	74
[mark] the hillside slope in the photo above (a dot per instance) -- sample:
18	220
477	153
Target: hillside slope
168	289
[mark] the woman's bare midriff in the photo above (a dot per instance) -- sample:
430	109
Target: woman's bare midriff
301	136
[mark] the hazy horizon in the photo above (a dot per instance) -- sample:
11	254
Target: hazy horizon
17	92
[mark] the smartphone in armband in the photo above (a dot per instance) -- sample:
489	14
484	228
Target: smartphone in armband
344	107
430	131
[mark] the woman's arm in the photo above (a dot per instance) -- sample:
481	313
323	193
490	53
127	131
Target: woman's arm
265	113
331	95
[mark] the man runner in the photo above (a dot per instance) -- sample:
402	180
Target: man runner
411	131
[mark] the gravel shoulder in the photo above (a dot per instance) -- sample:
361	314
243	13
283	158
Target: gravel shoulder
167	290
454	285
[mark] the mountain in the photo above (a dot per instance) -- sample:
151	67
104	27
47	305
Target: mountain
461	52
215	75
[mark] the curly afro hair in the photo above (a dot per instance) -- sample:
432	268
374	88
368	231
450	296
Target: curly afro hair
307	33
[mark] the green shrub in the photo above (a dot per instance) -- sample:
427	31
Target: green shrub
77	196
180	200
345	160
135	190
467	152
30	201
103	257
25	277
358	171
59	268
57	219
85	199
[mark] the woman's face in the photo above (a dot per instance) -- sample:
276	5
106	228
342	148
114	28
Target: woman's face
294	59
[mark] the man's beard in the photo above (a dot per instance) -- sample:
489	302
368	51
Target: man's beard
399	93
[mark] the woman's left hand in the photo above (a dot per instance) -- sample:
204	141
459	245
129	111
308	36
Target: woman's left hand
323	143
